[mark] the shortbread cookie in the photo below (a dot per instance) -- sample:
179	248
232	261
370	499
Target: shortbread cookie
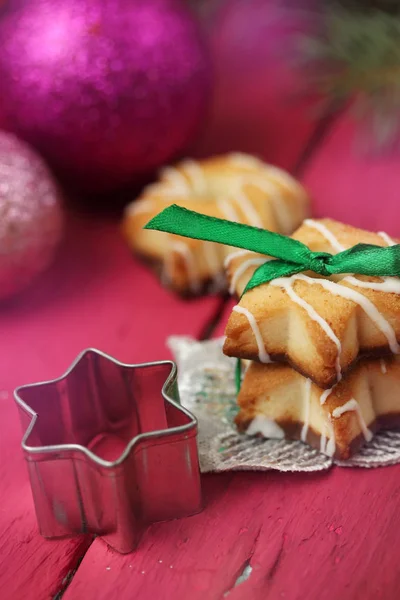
236	187
319	326
277	402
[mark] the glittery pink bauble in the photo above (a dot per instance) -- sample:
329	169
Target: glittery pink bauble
31	217
106	90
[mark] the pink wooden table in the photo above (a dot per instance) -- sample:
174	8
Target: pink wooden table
316	537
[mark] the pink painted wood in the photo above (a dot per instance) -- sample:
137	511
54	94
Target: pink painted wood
31	568
321	537
97	295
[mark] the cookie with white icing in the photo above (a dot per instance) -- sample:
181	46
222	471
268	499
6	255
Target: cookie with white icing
275	401
236	187
317	325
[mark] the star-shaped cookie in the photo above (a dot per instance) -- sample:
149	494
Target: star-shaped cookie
237	187
275	401
317	325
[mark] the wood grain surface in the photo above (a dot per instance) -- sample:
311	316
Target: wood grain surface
305	536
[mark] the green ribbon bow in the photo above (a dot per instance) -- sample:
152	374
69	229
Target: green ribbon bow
292	256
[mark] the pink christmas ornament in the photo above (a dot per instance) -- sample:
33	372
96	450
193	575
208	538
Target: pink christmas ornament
106	90
31	218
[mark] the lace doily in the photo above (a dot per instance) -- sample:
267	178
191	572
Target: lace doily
207	388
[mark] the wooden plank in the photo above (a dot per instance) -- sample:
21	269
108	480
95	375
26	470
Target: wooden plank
31	568
327	536
316	536
97	295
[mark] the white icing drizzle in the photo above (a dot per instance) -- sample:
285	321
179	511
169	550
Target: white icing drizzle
352	405
383	366
322	441
246	365
331	445
227	210
386	238
326	233
328	445
196	175
235	254
267	427
168	190
324	396
175	177
369	308
281	209
190	265
286	284
283	178
251	162
139	207
390	285
245	160
252	262
250	213
307	402
263	355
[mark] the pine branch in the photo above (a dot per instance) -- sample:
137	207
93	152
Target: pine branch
357	55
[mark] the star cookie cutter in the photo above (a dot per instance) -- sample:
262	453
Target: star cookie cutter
109	449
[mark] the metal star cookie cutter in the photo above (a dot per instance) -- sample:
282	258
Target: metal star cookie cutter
109	449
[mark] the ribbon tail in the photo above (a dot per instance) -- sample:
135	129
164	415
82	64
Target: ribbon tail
238	375
366	259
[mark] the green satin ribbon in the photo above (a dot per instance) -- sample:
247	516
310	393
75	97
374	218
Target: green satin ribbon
292	256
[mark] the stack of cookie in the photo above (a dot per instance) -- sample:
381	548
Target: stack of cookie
323	362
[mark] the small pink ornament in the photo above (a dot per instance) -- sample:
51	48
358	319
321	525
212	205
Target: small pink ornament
31	217
106	90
